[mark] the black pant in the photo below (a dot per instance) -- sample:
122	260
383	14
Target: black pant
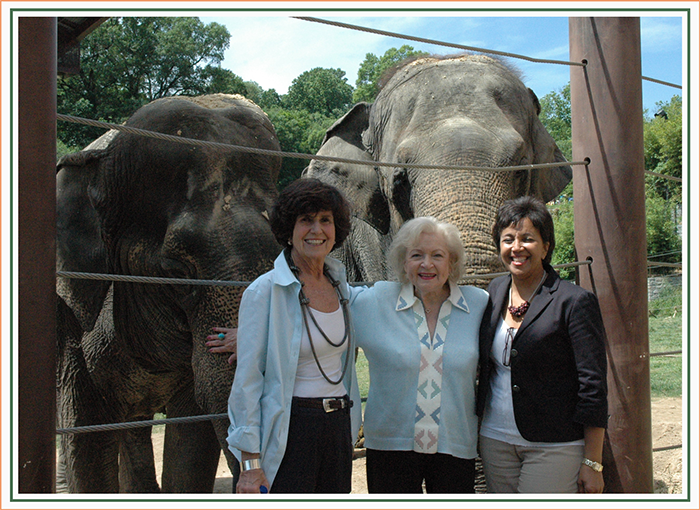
403	472
318	457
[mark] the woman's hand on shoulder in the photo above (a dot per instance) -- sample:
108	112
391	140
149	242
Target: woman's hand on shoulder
224	340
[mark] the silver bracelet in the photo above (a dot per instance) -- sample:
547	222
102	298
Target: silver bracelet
249	464
595	466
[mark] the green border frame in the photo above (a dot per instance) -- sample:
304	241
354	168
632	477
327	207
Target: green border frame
478	499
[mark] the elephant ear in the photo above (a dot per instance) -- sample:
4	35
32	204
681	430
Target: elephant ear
79	245
361	184
547	183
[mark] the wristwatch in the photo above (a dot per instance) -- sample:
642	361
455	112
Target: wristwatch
595	466
249	464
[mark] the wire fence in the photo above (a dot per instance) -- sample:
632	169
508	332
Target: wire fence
255	150
298	155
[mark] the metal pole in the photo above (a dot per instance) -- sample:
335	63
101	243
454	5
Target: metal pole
609	222
36	463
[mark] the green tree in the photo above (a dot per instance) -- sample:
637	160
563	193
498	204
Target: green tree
663	242
214	80
372	69
298	131
263	98
555	114
320	90
128	62
564	251
663	148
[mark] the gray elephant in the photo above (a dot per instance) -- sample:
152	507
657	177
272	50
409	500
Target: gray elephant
465	110
132	205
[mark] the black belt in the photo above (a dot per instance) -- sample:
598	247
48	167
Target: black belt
327	404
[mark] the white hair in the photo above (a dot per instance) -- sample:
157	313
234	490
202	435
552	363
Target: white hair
407	238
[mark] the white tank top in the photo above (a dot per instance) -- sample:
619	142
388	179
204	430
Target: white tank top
310	383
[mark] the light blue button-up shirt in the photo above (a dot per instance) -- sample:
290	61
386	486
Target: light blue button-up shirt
386	331
269	339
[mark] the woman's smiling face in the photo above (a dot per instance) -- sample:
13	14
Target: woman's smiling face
314	235
427	263
523	250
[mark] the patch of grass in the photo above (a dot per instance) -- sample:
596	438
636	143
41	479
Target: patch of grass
362	368
665	335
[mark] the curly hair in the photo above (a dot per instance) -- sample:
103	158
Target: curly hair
407	237
309	196
512	212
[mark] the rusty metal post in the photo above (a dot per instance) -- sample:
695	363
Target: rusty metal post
609	225
36	463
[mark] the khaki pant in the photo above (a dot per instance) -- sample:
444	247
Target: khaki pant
530	470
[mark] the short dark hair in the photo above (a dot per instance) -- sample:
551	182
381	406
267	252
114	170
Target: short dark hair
512	212
309	196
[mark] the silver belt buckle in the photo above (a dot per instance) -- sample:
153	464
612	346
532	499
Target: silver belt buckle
327	405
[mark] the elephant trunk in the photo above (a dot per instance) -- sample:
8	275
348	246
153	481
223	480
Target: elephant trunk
469	199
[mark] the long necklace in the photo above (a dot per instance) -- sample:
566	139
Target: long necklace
519	311
306	310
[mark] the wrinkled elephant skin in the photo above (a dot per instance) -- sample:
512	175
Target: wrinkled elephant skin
132	205
452	111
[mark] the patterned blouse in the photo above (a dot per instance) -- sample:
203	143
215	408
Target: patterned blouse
428	397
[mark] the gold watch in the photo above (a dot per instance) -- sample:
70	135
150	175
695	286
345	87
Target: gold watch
595	466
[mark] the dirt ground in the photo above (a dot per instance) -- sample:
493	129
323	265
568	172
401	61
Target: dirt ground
667	431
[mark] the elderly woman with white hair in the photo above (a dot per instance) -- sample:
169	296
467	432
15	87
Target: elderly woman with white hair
421	339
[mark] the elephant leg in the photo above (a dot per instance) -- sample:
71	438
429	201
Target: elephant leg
190	458
221	428
91	462
137	470
191	451
88	462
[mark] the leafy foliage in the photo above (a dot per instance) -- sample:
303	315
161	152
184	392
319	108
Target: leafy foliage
663	242
555	114
564	251
663	147
373	67
298	131
128	62
319	90
663	154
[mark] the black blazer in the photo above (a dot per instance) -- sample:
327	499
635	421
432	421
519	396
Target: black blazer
558	362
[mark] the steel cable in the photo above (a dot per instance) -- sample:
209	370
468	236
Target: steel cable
267	152
461	47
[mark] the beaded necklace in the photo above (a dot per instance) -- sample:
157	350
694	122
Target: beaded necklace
306	310
519	311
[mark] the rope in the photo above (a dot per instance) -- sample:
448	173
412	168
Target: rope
667	353
138	424
230	283
439	43
662	82
148	279
462	47
267	152
654	263
663	176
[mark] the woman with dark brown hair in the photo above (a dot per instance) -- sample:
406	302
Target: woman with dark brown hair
295	387
542	381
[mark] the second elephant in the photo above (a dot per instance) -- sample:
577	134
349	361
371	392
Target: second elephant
466	110
126	350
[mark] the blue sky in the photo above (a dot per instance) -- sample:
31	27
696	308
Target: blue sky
273	50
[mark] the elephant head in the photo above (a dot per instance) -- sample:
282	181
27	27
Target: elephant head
132	205
467	110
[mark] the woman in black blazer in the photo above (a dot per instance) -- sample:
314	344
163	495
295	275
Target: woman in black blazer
542	383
